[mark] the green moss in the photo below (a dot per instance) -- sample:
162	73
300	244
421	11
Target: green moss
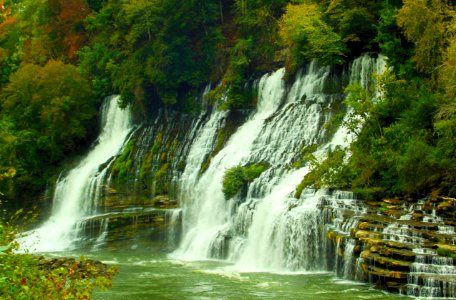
446	252
125	168
383	209
156	146
161	180
123	163
161	172
146	165
222	137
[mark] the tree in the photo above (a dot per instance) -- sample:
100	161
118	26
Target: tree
46	113
304	31
425	24
393	43
355	22
448	70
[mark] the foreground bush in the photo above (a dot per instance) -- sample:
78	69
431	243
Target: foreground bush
26	276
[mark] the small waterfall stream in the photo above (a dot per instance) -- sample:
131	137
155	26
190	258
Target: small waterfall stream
76	193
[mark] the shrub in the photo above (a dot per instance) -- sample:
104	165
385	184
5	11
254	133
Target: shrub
238	177
25	276
233	181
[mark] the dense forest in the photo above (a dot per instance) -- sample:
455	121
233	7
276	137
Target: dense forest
60	58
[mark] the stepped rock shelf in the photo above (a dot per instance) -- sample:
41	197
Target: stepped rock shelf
400	245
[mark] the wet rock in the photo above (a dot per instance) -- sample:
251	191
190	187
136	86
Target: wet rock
398	245
79	268
388	262
164	201
394	201
150	224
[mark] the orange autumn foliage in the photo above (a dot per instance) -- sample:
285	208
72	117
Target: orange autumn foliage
6	18
71	15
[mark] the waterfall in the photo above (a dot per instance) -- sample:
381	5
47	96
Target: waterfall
170	176
431	275
268	229
77	193
206	212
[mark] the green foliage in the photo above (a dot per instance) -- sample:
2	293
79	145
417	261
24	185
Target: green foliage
253	171
402	139
46	113
257	21
95	63
236	94
22	276
153	50
233	181
423	23
304	31
361	108
238	177
447	74
332	172
305	155
355	22
392	42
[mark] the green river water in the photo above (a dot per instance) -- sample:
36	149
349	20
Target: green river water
152	274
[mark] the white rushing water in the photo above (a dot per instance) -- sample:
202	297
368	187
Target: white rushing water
76	193
203	196
268	229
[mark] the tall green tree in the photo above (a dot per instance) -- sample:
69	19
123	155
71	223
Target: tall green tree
47	113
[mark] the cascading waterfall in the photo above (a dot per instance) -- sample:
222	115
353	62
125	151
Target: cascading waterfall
206	212
268	229
76	193
430	275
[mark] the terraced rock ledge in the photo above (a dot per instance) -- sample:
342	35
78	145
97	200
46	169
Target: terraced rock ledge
400	245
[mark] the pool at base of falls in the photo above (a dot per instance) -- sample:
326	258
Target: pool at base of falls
151	274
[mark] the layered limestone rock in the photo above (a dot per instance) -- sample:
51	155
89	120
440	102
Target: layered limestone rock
155	220
402	245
